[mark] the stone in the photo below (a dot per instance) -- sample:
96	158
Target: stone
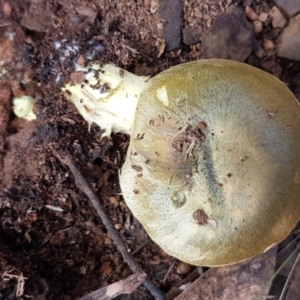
172	17
268	45
231	37
278	20
291	7
191	36
257	26
288	45
36	18
6	9
263	17
272	67
250	13
259	52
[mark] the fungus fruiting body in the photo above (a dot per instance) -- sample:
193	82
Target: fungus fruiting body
23	106
213	166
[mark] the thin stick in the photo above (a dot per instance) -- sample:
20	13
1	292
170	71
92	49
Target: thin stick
124	286
169	270
140	247
5	24
13	276
85	188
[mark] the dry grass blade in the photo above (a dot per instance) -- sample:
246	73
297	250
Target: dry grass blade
290	291
276	274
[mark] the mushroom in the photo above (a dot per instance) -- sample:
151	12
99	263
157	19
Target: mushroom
213	166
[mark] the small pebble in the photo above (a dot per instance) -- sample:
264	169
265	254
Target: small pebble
113	201
250	13
118	226
106	268
77	77
272	67
86	11
259	52
263	17
268	46
278	20
183	268
6	9
81	61
257	26
107	241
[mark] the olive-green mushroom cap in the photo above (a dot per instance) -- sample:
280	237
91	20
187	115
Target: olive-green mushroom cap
213	166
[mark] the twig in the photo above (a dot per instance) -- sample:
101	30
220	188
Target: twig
20	286
169	270
20	283
188	280
140	247
85	188
125	286
5	24
13	276
132	253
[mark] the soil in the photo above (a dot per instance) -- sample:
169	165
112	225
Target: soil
50	234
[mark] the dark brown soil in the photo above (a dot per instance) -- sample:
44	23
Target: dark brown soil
49	231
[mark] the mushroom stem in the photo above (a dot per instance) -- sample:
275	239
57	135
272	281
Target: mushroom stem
107	96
